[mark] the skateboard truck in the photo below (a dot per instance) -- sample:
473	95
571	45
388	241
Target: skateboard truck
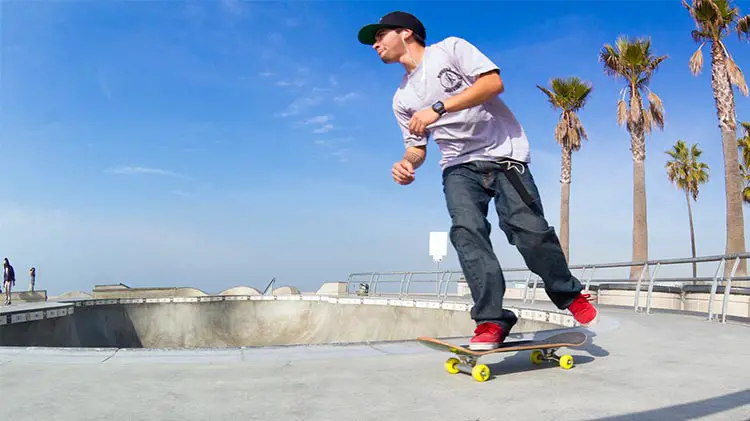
468	364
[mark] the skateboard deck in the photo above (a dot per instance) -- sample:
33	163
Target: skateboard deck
542	350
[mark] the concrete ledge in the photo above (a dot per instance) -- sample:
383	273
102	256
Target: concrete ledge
175	322
555	317
33	312
27	296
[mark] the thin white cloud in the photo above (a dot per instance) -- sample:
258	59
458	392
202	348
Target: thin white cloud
181	193
299	105
341	99
319	119
298	83
135	170
323	129
234	7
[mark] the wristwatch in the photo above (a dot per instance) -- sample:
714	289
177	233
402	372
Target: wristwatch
439	108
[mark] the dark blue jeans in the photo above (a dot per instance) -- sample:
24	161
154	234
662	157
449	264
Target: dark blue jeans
468	190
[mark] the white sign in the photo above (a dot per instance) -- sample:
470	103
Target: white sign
438	245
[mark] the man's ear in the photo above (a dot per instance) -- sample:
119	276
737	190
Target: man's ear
406	34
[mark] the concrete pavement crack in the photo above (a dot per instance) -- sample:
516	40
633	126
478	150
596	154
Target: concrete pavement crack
113	354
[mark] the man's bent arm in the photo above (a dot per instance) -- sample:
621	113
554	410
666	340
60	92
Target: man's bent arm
487	86
416	155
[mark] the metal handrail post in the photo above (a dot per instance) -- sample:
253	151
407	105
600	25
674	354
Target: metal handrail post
447	282
714	286
588	281
727	289
583	272
526	288
408	281
349	282
373	282
401	286
651	288
638	286
533	292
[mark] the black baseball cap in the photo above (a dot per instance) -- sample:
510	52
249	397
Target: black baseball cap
391	21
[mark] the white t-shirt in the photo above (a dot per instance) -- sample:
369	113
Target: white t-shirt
488	131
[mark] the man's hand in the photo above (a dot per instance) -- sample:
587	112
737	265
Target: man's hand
403	172
421	119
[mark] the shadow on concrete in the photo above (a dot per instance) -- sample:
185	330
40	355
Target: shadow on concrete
589	346
88	327
520	362
689	411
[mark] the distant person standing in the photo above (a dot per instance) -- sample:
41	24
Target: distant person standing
9	278
32	278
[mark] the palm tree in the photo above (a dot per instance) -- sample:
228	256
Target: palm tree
715	20
685	170
568	95
634	62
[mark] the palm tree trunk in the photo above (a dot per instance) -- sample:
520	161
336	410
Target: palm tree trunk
640	224
725	108
567	155
692	233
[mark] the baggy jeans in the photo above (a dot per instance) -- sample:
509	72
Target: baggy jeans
468	188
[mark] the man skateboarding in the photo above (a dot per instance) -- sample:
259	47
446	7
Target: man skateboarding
450	93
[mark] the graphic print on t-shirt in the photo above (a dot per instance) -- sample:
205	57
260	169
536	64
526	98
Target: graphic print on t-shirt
450	80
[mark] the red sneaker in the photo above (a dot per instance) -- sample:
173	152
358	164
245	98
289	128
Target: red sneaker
583	311
487	336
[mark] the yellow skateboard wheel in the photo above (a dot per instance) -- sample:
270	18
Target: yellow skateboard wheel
566	361
536	356
450	365
480	372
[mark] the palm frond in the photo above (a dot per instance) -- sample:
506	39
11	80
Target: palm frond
736	76
581	130
657	115
655	100
622	112
611	60
743	27
648	122
696	61
579	133
561	129
688	7
652	65
552	98
746	125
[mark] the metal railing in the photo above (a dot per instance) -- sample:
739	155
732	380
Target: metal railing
408	280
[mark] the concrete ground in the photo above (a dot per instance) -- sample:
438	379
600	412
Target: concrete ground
637	367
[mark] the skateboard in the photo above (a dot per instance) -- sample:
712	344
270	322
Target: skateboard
542	350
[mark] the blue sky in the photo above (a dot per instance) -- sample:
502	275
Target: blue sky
214	144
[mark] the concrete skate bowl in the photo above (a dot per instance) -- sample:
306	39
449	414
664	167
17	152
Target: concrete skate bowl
252	321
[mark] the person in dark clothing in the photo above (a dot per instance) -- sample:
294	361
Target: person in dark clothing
9	278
